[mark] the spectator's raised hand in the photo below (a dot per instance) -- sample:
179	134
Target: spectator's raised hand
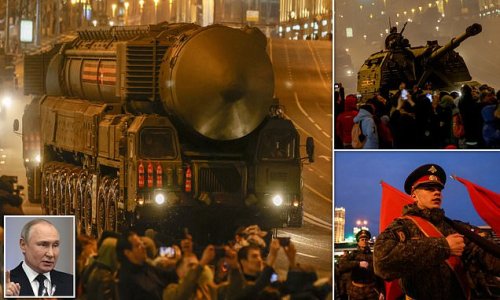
208	255
274	247
231	258
291	253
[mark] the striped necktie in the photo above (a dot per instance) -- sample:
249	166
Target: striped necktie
41	279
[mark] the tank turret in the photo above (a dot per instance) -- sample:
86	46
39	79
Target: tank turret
400	62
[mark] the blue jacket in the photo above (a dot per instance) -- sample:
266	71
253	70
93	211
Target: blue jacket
491	134
368	127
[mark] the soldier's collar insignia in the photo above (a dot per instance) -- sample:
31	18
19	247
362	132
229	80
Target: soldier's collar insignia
432	169
401	236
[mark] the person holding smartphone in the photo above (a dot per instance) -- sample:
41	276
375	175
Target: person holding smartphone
250	274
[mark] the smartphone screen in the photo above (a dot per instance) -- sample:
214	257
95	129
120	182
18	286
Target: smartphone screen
167	251
404	94
429	96
274	277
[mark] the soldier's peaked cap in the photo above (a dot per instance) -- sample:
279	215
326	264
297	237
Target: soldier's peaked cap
430	174
363	233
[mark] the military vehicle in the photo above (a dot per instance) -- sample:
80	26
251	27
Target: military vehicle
170	125
7	68
400	62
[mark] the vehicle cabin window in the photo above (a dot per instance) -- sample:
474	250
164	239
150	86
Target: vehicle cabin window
156	143
277	145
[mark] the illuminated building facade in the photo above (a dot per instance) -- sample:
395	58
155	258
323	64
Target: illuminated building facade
339	225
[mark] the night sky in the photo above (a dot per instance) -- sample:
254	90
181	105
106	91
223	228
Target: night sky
358	174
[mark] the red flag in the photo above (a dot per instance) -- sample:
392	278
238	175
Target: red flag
393	201
486	203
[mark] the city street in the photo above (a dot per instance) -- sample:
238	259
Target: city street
303	84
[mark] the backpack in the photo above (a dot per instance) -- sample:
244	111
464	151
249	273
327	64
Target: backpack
358	139
458	126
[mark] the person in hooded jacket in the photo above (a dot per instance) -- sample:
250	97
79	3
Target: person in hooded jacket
472	119
368	126
491	130
99	280
345	121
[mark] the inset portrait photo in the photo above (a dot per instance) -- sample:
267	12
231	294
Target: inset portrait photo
39	256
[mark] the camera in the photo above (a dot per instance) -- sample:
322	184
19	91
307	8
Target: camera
167	251
284	241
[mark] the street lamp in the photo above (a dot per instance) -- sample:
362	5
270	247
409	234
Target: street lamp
126	4
113	9
156	10
141	9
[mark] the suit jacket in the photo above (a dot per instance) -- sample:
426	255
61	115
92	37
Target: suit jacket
63	282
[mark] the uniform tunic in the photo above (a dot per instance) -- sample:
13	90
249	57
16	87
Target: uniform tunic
366	285
403	251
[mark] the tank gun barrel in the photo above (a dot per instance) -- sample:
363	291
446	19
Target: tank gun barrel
472	30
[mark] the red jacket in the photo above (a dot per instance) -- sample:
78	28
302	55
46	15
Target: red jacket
344	122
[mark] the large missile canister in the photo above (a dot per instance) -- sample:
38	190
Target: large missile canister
219	81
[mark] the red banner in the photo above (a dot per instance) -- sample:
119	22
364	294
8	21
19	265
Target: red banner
486	203
393	201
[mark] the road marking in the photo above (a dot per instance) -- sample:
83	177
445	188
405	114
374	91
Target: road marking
308	133
306	255
310	245
294	234
311	221
307	115
317	193
316	219
317	224
327	158
318	67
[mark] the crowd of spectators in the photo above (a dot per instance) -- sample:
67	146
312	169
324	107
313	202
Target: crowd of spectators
421	118
132	266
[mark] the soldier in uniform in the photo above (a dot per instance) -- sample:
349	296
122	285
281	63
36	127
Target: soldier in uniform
423	250
363	284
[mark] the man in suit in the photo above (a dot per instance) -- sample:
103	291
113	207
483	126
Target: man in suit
35	275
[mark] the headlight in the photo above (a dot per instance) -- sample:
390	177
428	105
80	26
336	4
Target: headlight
277	200
6	101
160	198
140	200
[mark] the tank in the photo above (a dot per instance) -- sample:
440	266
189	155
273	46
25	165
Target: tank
170	125
399	62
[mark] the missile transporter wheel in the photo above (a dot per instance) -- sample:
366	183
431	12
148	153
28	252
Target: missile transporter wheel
87	206
102	201
112	210
61	191
80	196
45	192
